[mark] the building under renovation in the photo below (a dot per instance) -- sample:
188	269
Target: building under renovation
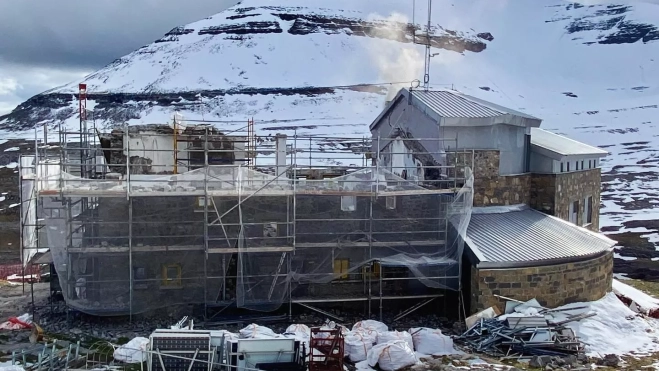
146	217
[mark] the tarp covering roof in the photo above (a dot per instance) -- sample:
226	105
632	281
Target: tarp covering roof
506	236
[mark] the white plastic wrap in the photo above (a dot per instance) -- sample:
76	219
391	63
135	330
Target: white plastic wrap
357	346
370	324
135	351
431	341
255	331
384	337
392	356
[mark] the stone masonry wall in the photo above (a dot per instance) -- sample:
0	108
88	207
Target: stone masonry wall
551	285
576	187
491	189
553	193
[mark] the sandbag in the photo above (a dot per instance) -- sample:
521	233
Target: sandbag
255	331
431	341
135	351
388	336
370	324
392	356
357	346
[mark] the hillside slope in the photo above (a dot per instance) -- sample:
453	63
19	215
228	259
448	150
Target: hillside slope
589	71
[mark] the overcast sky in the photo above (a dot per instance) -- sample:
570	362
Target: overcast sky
44	44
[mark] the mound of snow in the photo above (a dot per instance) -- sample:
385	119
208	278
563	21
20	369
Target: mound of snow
642	302
615	329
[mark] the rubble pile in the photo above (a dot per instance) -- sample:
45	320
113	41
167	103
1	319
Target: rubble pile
524	331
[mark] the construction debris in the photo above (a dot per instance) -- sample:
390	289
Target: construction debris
524	332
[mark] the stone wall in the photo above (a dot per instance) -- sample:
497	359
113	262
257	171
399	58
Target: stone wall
491	189
576	187
553	193
551	285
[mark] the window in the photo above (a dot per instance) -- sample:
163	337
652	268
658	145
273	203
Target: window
348	203
341	268
582	165
574	212
139	278
576	165
588	210
171	275
562	169
391	202
568	166
270	230
371	270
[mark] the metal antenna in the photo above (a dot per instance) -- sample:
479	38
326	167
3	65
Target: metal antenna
426	76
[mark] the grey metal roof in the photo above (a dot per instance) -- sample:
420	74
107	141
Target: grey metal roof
453	108
454	104
562	146
519	235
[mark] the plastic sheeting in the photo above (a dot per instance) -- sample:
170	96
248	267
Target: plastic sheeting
226	234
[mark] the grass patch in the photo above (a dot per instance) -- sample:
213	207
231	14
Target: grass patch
649	287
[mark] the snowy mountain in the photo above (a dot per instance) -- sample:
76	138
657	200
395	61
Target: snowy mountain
588	69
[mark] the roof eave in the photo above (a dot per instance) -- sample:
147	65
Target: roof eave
563	156
540	263
386	110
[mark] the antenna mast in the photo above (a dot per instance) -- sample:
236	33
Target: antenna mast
426	75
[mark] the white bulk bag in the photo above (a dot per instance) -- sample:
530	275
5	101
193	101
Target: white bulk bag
385	337
392	356
255	331
299	330
135	351
357	346
370	324
431	341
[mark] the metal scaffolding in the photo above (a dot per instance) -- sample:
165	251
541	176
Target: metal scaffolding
156	217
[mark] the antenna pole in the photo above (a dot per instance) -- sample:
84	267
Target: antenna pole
426	76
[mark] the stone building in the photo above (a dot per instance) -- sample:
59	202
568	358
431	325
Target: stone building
534	229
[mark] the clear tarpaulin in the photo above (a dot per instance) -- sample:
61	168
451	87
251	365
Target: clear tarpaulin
230	235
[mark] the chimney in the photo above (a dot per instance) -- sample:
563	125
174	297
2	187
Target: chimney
280	151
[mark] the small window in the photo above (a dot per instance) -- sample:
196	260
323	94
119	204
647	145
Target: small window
574	212
562	167
371	270
576	165
270	230
341	268
582	165
348	203
139	273
171	275
588	210
391	202
568	166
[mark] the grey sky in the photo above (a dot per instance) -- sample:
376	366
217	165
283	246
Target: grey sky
48	43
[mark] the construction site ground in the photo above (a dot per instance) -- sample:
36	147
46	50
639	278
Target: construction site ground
90	330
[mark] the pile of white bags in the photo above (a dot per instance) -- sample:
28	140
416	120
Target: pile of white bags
431	341
392	356
135	351
388	336
255	331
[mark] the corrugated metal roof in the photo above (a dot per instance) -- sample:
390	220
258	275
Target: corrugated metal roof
562	145
520	234
454	104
